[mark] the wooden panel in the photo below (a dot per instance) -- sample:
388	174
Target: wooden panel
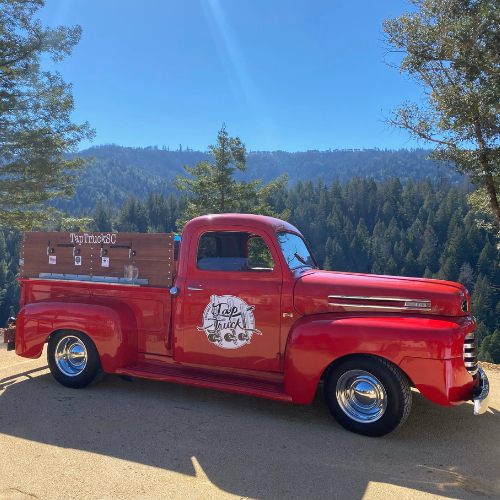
86	254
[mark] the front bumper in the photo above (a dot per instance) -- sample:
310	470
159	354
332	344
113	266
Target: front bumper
481	393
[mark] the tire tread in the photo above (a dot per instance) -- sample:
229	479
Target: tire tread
405	386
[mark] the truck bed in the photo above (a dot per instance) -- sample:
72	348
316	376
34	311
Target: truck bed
151	306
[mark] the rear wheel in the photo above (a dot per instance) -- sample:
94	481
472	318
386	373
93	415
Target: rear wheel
368	395
73	359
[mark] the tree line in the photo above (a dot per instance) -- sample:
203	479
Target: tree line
114	172
361	226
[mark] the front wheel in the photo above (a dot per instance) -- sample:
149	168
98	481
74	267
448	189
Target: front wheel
368	395
73	359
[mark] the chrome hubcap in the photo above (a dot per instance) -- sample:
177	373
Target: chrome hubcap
361	396
71	356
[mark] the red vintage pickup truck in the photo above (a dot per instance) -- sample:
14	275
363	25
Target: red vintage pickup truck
244	308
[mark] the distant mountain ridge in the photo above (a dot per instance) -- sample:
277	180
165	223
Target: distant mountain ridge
117	172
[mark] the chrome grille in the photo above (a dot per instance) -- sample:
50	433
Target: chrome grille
470	353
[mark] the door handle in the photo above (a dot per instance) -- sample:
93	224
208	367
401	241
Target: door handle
194	288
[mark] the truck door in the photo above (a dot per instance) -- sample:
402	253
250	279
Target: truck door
232	301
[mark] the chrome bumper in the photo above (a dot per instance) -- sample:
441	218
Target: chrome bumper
481	400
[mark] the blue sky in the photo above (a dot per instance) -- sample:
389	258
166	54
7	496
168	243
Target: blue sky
282	74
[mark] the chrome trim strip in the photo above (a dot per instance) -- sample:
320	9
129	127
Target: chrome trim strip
470	343
470	351
470	359
374	306
470	364
380	299
409	304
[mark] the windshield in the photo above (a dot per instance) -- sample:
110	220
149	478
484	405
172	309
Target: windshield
295	250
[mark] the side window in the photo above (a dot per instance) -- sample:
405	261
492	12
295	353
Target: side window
233	251
259	256
207	246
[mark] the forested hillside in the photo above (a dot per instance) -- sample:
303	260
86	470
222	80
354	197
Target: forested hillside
362	226
117	172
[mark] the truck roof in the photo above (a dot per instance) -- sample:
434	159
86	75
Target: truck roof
258	221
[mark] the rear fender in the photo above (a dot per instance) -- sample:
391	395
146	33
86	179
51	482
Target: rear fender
315	342
110	324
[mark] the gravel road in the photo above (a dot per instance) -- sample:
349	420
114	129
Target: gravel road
153	440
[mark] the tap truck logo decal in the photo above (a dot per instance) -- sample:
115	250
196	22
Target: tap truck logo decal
228	322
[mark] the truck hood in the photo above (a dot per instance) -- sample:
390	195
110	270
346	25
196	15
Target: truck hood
330	291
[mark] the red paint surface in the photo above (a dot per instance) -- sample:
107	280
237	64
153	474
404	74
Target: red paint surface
118	318
316	341
313	289
442	381
132	325
110	324
259	289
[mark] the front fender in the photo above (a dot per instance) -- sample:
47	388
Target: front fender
110	324
316	341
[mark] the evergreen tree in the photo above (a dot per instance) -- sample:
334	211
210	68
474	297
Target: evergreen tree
391	267
490	348
486	258
482	301
482	331
449	271
132	217
359	255
35	108
411	267
211	187
411	202
427	258
101	220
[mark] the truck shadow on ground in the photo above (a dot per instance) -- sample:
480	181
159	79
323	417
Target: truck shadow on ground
254	447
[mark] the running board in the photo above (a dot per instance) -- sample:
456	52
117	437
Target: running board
223	381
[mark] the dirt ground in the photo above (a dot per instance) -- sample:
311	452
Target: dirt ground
153	440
